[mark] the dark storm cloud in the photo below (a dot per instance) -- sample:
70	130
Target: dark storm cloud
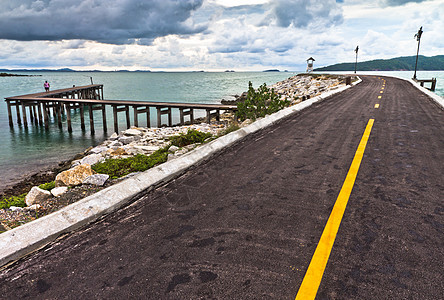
108	21
302	13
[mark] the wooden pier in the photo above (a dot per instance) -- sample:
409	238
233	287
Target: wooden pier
432	83
63	101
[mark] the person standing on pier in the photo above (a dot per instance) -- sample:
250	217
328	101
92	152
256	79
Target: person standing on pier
46	85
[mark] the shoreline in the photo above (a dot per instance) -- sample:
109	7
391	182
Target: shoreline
295	89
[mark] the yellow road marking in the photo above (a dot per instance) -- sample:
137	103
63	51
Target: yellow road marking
382	88
315	271
381	92
379	97
376	105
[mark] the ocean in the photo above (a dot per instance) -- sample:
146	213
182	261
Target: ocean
25	151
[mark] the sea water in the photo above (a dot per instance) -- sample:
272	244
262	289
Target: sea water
24	151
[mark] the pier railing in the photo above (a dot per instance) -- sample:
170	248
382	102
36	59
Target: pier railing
63	101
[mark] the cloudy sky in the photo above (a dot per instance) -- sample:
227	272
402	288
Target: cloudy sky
212	35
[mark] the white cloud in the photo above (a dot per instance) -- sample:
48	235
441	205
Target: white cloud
302	13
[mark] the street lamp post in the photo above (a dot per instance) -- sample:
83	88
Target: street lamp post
418	38
356	62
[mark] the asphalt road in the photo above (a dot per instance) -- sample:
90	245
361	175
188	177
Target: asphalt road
245	224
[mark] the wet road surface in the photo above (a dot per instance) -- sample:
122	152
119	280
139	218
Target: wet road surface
245	224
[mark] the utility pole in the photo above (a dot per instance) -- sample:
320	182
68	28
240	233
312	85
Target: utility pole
418	38
356	63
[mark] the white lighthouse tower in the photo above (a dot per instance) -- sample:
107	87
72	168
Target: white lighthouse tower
310	64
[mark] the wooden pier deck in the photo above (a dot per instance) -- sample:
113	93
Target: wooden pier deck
63	101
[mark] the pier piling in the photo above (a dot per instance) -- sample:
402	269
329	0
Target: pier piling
65	102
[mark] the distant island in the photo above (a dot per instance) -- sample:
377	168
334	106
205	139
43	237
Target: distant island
66	70
14	75
406	63
272	70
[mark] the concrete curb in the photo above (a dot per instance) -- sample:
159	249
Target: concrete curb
34	235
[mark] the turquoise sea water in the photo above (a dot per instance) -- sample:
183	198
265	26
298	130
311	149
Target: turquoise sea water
24	151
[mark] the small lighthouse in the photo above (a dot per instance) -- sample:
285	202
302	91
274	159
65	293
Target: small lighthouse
310	64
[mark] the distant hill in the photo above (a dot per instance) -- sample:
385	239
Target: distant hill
406	63
65	70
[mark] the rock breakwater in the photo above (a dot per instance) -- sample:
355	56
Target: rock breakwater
300	87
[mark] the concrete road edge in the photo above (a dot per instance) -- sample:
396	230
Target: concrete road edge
29	237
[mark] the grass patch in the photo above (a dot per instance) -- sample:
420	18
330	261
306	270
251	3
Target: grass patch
47	186
191	137
18	201
119	167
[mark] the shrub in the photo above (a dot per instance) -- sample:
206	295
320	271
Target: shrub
259	103
191	137
120	167
232	127
18	201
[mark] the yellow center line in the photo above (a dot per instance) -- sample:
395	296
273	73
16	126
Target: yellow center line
381	92
376	105
379	97
315	271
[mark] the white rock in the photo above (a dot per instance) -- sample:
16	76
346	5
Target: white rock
15	208
58	191
92	159
75	163
98	149
171	157
33	207
128	139
113	137
115	144
132	132
190	147
96	179
37	195
148	148
181	152
173	149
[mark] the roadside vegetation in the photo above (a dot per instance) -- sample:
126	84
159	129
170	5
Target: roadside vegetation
18	201
259	103
191	137
47	186
119	167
